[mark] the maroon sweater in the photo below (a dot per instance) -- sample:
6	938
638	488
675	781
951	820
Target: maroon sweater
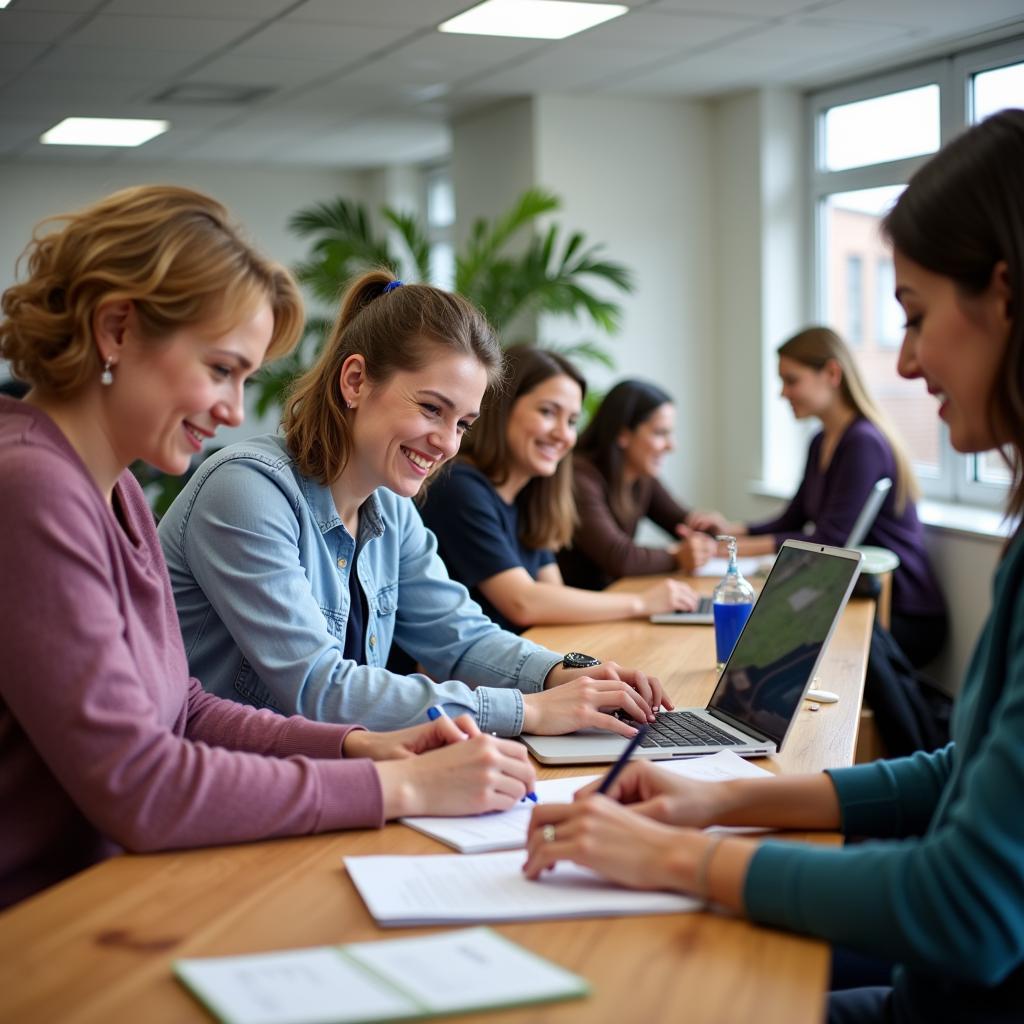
603	548
105	741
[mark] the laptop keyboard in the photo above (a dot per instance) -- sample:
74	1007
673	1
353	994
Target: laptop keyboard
703	606
685	729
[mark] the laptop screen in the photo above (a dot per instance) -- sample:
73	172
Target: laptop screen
777	652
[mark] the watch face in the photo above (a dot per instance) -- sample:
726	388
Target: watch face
574	659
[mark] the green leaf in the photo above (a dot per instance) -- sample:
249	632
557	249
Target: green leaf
414	237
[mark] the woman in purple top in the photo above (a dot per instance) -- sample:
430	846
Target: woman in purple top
136	327
854	450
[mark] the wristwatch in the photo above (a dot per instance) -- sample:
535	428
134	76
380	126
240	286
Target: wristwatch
576	660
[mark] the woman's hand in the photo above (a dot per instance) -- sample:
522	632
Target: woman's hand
667	596
583	703
714	523
693	549
665	797
472	776
403	743
616	842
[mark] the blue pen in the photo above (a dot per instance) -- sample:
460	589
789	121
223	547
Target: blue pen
436	712
623	760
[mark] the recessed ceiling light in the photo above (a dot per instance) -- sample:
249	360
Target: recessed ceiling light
4	3
531	19
103	131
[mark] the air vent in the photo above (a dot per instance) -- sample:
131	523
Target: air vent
213	94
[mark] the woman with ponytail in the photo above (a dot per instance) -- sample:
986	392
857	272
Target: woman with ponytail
855	448
297	560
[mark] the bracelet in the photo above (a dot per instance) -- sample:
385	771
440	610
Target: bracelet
700	883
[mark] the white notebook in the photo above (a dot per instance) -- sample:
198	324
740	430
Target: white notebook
506	830
452	888
454	972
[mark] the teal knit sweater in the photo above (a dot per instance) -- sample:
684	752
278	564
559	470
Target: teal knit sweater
940	887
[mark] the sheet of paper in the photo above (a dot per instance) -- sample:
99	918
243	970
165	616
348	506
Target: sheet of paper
456	888
718	566
467	969
506	830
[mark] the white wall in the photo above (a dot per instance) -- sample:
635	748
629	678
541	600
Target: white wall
635	176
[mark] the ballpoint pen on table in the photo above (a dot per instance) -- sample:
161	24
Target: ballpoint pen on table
623	760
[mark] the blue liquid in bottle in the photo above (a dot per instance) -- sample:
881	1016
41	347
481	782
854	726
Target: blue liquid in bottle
731	602
729	622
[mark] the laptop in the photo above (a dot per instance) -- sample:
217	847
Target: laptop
703	614
759	692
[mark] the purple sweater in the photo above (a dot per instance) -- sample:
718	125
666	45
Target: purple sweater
831	501
105	741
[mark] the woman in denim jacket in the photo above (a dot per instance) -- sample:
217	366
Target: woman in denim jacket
297	560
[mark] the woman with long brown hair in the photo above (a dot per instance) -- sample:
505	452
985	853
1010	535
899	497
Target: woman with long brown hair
504	508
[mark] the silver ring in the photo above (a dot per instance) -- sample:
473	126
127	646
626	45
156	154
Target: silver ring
548	833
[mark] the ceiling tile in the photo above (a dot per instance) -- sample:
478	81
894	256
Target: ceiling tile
72	6
240	69
382	13
748	8
192	35
319	41
466	54
661	31
247	10
142	65
15	56
937	17
17	26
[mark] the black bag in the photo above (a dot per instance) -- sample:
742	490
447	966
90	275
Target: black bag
911	712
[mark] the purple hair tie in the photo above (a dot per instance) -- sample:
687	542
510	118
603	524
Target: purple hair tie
391	286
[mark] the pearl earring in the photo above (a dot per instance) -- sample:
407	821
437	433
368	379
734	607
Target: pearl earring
107	377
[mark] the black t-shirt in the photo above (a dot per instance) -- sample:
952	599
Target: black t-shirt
355	625
478	533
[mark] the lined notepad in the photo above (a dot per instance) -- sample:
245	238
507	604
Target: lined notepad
454	972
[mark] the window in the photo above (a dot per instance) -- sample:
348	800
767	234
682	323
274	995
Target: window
440	204
868	139
855	298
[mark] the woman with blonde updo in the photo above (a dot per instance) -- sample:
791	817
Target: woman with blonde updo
136	326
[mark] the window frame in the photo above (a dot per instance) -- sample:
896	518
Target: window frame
956	477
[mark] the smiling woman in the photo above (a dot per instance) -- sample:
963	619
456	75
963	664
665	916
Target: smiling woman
296	561
503	510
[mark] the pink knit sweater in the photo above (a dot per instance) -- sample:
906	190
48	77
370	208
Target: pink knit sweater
105	741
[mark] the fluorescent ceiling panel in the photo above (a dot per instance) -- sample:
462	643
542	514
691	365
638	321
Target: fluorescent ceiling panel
103	131
531	19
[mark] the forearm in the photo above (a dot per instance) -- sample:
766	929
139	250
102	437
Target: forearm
748	547
782	802
544	603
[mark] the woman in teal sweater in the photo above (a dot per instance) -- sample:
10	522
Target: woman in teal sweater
938	887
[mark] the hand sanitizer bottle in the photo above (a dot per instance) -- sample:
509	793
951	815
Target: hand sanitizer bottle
732	601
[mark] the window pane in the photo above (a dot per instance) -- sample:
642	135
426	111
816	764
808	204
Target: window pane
442	265
855	299
991	469
850	222
890	127
998	89
440	201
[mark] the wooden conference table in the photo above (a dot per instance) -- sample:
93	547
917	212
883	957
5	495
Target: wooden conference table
99	947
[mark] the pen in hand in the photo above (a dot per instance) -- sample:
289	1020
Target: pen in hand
623	760
436	712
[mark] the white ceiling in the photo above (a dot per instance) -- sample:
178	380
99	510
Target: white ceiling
358	83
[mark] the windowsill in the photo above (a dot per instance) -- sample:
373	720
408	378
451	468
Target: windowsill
973	521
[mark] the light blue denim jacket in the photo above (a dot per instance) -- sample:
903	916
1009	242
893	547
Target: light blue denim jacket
259	561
